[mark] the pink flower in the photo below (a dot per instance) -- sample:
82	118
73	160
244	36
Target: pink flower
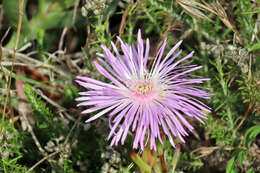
144	101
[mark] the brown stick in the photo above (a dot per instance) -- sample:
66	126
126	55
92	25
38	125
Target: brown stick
123	20
249	109
13	59
164	35
43	159
164	170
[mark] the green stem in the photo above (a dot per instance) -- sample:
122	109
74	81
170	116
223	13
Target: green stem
224	86
176	157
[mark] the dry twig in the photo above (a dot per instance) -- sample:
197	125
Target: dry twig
249	109
171	26
123	20
36	63
76	4
194	9
60	149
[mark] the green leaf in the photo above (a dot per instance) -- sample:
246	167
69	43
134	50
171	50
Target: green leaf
53	20
11	10
55	6
241	156
41	84
230	165
250	135
56	17
251	170
43	126
253	47
144	168
62	5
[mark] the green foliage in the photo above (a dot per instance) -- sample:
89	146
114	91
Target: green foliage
70	94
37	104
88	61
26	79
12	12
250	135
100	30
245	18
240	154
55	17
190	162
216	130
110	10
223	131
46	123
10	146
253	47
101	35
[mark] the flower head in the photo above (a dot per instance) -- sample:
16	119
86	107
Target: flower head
144	101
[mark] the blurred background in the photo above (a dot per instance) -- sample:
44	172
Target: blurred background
46	43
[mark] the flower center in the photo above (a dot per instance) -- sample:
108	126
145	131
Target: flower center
143	88
143	91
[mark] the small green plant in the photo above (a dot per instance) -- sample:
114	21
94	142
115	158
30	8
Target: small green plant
242	151
10	150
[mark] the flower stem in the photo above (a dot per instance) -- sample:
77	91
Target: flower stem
164	170
176	157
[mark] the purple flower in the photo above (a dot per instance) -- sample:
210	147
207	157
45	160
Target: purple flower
146	102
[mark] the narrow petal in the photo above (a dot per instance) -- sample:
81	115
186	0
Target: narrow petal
96	82
106	74
101	113
168	55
